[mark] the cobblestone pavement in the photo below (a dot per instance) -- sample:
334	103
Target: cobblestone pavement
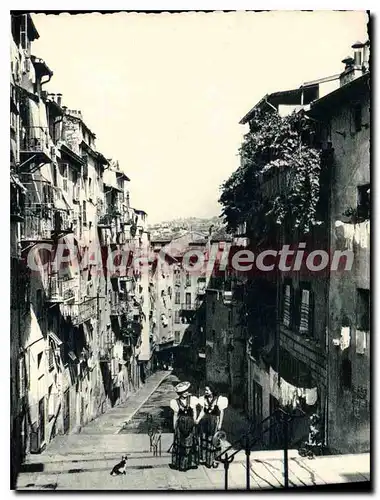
84	461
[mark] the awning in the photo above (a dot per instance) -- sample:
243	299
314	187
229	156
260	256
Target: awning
59	204
55	339
73	357
78	160
69	206
18	183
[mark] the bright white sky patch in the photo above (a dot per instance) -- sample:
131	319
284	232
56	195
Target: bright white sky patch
165	93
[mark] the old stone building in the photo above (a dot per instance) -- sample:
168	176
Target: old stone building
345	121
81	324
180	311
307	332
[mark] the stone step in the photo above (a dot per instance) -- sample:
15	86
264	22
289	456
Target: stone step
70	465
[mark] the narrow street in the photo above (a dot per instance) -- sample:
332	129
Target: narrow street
84	461
157	406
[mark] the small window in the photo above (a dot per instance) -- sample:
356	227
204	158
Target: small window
364	204
362	309
39	308
51	358
286	308
305	307
177	297
90	189
305	311
22	377
357	117
177	337
84	214
176	317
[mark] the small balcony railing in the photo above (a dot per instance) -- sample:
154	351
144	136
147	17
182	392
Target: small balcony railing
63	222
36	228
54	293
79	313
118	304
105	220
36	140
227	298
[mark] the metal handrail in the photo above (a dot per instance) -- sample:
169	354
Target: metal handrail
252	429
245	442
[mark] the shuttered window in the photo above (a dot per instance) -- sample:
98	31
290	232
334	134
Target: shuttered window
305	311
287	297
306	305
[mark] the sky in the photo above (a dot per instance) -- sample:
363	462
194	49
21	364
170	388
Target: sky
164	93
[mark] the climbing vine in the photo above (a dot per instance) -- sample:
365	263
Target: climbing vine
275	145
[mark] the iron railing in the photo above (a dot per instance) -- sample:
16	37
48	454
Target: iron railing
36	140
79	313
154	433
118	305
255	435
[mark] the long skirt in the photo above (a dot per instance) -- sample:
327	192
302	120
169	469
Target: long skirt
207	429
184	451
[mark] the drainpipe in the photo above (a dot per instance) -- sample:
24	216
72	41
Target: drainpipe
269	104
46	81
328	340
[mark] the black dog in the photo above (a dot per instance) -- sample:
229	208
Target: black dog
120	468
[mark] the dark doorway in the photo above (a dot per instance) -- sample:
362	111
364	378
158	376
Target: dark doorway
41	420
66	411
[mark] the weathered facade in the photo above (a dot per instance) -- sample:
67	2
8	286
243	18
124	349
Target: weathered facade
308	331
81	330
180	293
345	115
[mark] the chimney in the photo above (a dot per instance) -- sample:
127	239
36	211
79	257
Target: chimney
348	62
358	52
59	99
366	56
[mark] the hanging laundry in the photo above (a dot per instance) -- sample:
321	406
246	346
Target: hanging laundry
311	396
361	342
345	338
273	381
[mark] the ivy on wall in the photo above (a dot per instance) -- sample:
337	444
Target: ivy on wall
275	143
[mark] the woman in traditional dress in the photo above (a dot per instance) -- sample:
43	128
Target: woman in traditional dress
209	422
184	448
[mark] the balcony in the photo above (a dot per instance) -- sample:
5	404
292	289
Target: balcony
17	212
36	227
241	241
80	313
35	144
118	304
54	293
105	220
201	287
63	223
227	298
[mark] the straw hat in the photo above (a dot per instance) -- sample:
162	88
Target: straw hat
182	387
